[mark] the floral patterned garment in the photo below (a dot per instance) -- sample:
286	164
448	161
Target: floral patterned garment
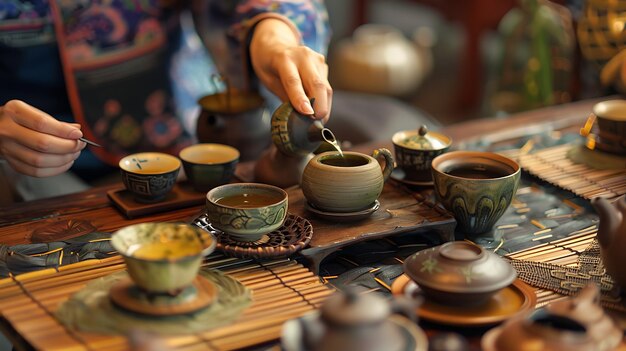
132	69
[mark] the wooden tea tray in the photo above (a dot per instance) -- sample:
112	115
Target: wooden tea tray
281	290
181	196
400	212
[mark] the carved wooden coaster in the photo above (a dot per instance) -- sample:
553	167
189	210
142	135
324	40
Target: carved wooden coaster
294	235
181	196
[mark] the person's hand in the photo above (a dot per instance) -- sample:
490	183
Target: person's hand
292	71
36	144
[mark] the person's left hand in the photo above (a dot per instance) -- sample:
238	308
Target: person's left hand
292	71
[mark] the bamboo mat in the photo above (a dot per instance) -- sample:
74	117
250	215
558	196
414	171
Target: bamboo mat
563	252
554	166
281	290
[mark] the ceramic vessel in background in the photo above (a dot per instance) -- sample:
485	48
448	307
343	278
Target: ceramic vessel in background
610	135
585	309
163	257
541	330
246	211
209	165
352	321
459	273
378	59
149	176
612	237
350	183
415	150
236	118
477	187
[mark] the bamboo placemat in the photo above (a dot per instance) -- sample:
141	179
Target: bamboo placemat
554	166
563	252
281	290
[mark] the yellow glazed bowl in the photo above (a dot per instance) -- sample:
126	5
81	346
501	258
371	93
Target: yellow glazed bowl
163	257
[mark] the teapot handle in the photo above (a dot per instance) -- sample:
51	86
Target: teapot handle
406	307
389	162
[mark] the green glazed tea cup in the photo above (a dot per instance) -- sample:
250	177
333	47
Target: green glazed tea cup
477	187
246	211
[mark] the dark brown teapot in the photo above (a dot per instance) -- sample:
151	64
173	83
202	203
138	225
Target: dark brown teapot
236	118
612	237
355	322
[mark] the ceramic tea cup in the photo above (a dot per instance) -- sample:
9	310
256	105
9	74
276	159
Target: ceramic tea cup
246	211
209	165
459	273
610	119
416	149
163	257
149	176
348	183
477	187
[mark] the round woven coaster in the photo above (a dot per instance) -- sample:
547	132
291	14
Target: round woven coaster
294	235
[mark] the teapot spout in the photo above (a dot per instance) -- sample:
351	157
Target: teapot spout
610	218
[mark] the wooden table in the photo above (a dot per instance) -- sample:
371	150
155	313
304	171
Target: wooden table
17	222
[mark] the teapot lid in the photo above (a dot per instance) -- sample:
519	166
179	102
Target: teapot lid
459	267
352	308
422	139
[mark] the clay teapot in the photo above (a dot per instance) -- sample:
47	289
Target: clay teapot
541	330
236	118
351	321
612	237
585	308
295	137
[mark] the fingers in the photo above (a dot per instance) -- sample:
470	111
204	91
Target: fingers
38	172
304	75
37	120
37	159
292	85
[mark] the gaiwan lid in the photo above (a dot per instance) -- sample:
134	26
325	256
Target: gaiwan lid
421	139
459	267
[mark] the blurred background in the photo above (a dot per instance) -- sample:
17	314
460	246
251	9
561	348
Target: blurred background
460	60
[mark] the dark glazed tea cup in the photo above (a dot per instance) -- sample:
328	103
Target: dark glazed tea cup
149	176
477	187
209	165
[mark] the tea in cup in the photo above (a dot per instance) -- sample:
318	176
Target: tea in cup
149	176
477	187
415	150
349	183
209	165
610	135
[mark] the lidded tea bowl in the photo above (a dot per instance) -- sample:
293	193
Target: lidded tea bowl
459	273
415	150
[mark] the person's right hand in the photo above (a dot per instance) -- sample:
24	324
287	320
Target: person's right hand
36	144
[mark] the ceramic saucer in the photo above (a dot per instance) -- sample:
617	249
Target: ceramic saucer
126	295
508	302
415	338
399	175
343	216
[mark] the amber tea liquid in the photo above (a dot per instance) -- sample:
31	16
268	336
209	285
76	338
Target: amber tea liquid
249	200
477	171
344	160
